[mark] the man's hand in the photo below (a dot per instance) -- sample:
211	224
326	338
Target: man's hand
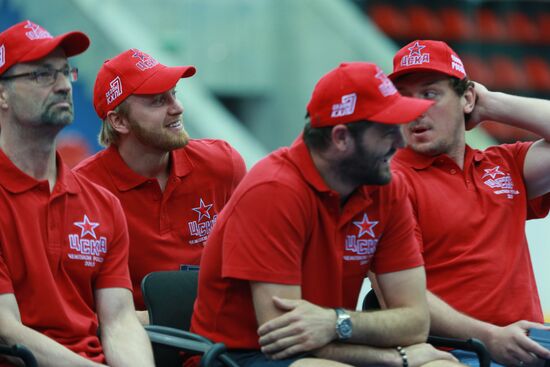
510	345
303	327
478	113
420	354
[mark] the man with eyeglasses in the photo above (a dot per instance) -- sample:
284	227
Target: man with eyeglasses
63	240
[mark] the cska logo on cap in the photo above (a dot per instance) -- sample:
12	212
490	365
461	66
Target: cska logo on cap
115	91
415	57
145	61
36	32
347	107
2	55
386	87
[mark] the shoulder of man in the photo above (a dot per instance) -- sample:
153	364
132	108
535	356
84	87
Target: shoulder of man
212	153
92	188
91	162
95	168
209	147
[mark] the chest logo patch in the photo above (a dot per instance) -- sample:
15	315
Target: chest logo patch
201	228
86	246
362	246
500	182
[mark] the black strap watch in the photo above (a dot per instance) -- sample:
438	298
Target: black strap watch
343	324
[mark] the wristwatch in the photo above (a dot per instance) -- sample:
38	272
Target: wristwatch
343	324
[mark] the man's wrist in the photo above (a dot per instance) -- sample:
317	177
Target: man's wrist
344	326
403	355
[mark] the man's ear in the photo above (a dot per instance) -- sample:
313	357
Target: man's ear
469	99
341	138
4	98
118	122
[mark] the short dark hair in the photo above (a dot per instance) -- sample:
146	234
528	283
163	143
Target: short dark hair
461	85
318	138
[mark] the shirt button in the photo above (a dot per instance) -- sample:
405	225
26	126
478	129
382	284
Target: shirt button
453	171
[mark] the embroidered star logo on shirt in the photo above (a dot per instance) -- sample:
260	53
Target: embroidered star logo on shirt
86	226
366	226
493	172
416	49
203	210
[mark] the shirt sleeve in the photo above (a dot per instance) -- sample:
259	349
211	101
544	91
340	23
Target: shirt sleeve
6	285
239	167
114	270
539	206
265	236
399	247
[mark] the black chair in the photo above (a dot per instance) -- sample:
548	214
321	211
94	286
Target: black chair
370	302
169	297
19	351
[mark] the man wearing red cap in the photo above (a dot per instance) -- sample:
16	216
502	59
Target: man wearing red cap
63	240
294	264
171	188
472	205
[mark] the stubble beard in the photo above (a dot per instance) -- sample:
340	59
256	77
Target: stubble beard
161	140
56	116
364	168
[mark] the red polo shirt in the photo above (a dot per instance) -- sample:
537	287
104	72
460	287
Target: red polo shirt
472	224
169	229
56	249
284	225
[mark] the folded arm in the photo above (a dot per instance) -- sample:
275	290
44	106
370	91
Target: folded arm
290	325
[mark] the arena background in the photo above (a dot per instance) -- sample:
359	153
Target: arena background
258	61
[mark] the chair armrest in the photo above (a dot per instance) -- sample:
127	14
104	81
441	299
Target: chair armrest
177	333
20	351
472	344
191	343
178	342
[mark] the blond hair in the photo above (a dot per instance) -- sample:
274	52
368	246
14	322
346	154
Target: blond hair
108	135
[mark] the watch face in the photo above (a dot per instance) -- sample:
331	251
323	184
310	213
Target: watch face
345	328
343	324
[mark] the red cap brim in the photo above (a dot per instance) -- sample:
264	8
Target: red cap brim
165	79
73	43
402	110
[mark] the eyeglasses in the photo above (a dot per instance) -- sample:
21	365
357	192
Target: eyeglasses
48	76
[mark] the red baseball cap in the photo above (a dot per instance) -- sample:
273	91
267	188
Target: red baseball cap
133	72
357	91
27	41
427	55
